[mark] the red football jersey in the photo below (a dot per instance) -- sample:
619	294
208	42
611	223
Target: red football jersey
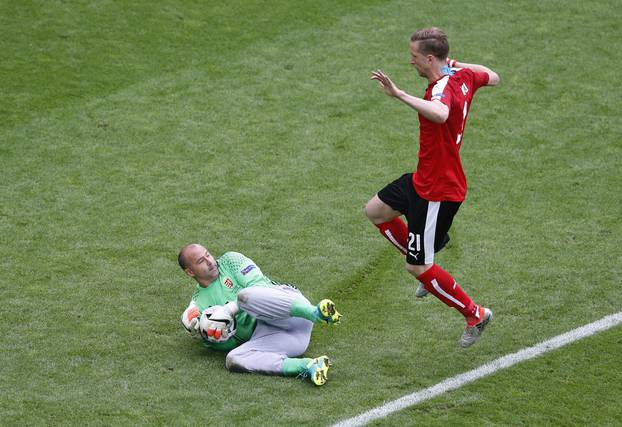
439	175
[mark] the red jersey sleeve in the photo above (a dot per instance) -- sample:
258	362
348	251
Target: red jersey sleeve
480	79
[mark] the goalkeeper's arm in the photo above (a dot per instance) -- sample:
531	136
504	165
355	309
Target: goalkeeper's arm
246	273
190	320
230	344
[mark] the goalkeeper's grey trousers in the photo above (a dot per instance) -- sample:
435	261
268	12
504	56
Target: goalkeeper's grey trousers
277	335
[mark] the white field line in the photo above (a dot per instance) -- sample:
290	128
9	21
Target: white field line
484	370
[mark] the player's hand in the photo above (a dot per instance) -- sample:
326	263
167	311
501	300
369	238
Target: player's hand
386	83
190	320
217	326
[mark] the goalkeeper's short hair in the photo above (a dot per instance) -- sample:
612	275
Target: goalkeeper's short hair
181	257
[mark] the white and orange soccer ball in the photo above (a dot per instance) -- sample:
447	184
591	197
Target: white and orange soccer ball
217	324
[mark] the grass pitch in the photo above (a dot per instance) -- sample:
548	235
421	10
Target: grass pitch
130	129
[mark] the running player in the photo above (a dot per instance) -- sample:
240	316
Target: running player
264	325
431	196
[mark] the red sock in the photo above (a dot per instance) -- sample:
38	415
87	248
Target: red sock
396	232
444	287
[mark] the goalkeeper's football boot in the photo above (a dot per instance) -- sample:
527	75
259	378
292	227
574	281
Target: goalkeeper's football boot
421	292
327	312
317	370
473	332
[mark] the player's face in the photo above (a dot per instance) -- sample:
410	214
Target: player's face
418	60
202	266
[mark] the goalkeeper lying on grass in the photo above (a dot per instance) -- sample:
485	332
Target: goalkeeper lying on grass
263	324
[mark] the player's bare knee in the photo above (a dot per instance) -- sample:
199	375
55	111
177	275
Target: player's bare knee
417	270
378	211
368	211
373	213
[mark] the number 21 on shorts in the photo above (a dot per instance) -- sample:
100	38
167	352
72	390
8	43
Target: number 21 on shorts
414	239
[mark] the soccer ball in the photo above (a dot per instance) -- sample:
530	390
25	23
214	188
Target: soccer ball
205	324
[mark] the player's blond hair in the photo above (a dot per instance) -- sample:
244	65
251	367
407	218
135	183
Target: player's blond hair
432	41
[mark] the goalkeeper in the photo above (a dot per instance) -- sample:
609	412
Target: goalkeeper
264	325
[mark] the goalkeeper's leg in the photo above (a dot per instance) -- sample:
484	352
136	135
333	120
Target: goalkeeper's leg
275	351
276	304
270	346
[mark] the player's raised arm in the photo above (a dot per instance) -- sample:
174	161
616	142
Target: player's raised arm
493	78
435	111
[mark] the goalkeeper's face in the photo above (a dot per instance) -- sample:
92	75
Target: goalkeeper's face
202	265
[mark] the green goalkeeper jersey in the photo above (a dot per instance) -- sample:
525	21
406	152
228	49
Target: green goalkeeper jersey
236	272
